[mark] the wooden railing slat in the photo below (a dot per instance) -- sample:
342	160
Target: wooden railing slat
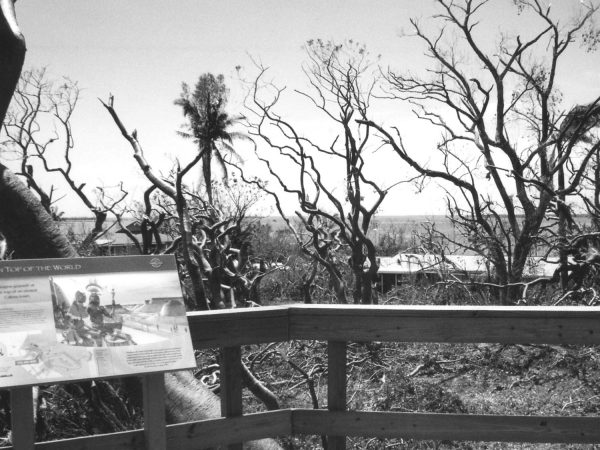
462	427
153	388
225	431
124	440
231	385
228	328
446	324
21	412
206	433
187	436
336	388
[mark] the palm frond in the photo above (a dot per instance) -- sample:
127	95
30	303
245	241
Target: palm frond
209	124
185	135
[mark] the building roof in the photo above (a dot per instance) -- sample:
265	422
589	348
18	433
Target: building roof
121	239
413	263
112	236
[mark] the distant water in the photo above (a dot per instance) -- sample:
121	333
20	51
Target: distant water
439	220
407	226
411	219
382	223
82	225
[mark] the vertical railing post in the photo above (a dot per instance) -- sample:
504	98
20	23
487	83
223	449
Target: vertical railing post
155	425
21	413
231	385
336	387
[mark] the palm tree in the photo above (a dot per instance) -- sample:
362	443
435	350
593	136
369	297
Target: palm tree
209	125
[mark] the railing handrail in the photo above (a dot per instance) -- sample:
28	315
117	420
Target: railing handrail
464	324
339	324
229	329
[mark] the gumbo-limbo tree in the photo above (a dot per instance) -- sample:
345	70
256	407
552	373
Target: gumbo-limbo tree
511	151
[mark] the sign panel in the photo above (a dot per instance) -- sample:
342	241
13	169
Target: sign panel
82	318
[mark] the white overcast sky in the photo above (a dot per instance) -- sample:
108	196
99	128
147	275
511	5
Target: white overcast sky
141	51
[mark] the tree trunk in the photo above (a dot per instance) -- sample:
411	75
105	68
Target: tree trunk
189	400
596	198
12	54
28	228
562	231
357	276
368	293
336	282
88	242
500	294
514	292
207	172
185	230
363	280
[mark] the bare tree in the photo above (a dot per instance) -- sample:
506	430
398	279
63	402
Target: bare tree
38	129
509	154
175	192
342	80
213	242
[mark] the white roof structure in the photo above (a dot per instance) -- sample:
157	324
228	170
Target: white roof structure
121	239
413	263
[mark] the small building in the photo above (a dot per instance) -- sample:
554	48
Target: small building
402	267
113	241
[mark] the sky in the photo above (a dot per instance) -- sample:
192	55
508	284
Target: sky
142	50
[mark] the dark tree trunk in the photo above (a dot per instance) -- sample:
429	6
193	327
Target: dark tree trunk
357	275
336	282
207	172
562	231
28	228
596	197
12	54
369	296
363	280
370	277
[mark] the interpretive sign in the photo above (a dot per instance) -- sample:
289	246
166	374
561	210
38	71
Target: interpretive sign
81	318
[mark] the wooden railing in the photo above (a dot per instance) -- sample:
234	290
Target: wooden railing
337	325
